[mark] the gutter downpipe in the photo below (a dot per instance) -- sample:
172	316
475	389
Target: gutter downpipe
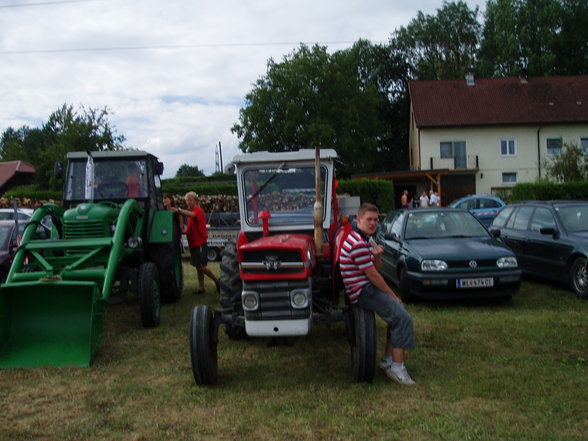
539	150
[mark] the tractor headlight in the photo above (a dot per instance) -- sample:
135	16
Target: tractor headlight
433	265
300	298
134	242
250	300
507	262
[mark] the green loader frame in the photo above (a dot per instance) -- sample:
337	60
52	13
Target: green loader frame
53	302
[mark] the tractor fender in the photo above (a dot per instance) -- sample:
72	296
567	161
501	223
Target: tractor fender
161	230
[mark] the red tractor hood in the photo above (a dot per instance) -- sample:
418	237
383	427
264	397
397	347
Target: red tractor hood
286	251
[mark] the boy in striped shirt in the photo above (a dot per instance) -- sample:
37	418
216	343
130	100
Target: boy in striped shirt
365	286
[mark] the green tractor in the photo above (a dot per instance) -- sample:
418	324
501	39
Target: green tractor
112	235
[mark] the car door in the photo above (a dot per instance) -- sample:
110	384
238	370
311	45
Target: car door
546	253
515	233
392	227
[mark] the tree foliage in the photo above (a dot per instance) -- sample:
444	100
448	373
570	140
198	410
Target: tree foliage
441	46
313	98
66	130
571	165
542	37
189	170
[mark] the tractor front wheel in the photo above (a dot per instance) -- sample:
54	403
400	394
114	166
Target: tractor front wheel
231	286
362	334
203	345
148	293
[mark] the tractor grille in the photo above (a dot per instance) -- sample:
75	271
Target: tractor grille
83	229
272	262
274	300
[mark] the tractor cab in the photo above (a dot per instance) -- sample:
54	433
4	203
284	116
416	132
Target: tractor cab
113	176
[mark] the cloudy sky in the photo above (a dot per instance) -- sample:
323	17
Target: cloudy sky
173	73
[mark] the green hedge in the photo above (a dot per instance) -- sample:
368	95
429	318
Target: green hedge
549	191
33	192
375	191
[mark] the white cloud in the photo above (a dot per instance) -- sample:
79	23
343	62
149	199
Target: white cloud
179	96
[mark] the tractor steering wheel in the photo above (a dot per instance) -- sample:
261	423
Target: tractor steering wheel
113	189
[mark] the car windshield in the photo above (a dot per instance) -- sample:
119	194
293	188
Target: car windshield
287	192
574	218
423	224
112	179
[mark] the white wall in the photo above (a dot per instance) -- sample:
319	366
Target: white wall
485	143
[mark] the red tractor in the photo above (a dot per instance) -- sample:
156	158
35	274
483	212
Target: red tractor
281	275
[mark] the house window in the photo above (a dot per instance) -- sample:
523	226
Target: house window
509	177
584	145
455	150
554	146
508	147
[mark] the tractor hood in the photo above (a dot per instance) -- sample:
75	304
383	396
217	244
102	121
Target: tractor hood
277	256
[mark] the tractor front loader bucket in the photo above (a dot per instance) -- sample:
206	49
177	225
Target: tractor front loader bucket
50	323
53	301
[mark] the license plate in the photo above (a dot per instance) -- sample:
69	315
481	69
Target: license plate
484	282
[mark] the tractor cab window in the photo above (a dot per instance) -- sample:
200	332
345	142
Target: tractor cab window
111	179
287	192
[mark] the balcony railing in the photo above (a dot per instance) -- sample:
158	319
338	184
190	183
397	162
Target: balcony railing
470	162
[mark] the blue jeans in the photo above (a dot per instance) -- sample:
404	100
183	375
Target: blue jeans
400	329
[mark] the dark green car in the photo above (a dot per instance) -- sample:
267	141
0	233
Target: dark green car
445	253
550	239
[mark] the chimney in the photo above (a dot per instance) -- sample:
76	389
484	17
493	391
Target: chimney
470	79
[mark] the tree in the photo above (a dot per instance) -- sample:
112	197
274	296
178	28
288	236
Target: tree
313	98
189	170
439	47
66	130
543	37
571	165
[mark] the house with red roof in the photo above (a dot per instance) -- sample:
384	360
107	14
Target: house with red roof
15	173
481	136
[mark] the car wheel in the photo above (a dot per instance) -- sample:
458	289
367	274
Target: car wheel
404	287
212	254
579	277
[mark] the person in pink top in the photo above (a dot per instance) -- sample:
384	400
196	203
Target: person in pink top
197	236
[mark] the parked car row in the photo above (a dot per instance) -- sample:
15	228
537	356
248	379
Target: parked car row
447	253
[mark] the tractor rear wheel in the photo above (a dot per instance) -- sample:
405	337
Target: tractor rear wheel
363	343
231	286
148	293
203	345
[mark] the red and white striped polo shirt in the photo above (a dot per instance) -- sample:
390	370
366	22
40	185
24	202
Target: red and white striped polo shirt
356	256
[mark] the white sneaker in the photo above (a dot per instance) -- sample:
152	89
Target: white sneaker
384	363
400	375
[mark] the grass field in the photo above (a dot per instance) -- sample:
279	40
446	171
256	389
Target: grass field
485	371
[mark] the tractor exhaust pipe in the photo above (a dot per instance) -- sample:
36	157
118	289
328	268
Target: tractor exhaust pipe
318	204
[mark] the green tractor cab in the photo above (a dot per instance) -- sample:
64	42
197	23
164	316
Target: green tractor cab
112	234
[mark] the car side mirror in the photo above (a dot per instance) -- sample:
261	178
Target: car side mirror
549	231
159	168
391	236
495	232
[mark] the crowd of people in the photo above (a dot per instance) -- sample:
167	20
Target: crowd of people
424	201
